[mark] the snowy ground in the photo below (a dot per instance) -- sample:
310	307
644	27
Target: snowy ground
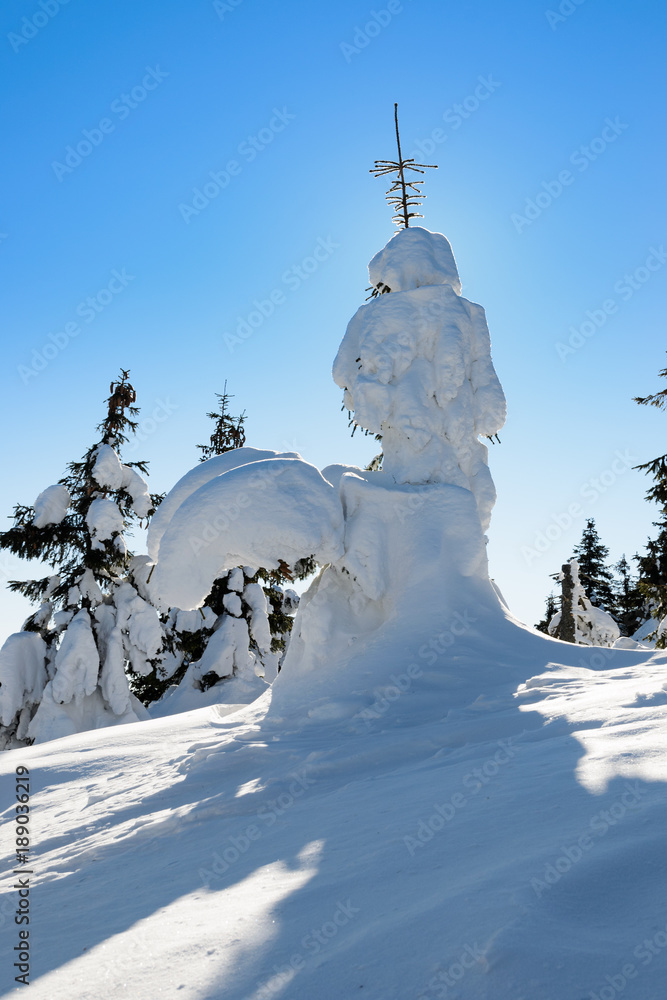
495	830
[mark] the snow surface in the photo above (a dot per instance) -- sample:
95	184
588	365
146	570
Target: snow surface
51	505
439	819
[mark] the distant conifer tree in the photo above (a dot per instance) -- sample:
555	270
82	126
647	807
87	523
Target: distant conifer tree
595	576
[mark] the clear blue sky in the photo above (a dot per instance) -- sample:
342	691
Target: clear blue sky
298	98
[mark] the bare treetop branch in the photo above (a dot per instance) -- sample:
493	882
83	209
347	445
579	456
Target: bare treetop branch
405	200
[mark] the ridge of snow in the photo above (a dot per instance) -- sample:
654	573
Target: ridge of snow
258	513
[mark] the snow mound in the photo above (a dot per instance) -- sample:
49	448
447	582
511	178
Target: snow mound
194	479
414	257
51	506
334	473
256	514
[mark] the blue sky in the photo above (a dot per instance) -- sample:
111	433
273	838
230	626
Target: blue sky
548	126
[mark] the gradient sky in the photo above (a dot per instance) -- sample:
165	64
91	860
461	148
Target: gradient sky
513	101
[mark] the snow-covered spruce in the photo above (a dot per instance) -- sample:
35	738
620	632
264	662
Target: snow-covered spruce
416	367
578	620
241	628
65	672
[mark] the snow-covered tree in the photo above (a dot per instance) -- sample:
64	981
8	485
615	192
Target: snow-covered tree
549	611
578	620
653	563
631	607
242	628
65	671
415	366
596	577
229	432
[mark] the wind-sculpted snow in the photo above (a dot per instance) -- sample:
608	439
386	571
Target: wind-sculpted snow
259	515
414	257
197	477
416	368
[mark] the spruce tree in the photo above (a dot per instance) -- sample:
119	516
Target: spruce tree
228	433
549	611
244	624
653	564
631	606
65	671
595	576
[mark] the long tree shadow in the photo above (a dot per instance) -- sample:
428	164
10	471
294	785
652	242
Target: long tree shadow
373	853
